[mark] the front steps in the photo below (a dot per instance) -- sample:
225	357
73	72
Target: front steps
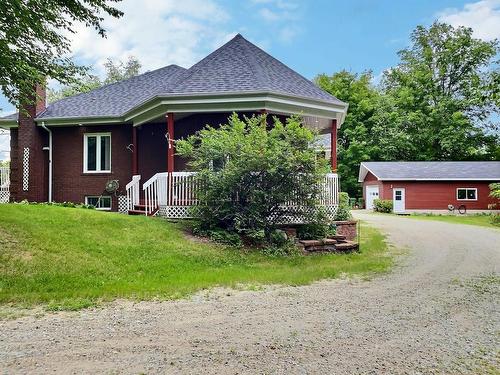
140	209
337	243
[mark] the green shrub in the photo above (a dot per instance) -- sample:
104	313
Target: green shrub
495	219
343	211
382	205
317	229
287	249
248	170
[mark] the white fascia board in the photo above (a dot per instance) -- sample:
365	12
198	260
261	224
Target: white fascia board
363	171
77	121
329	110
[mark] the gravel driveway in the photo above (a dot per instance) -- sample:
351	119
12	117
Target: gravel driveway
437	311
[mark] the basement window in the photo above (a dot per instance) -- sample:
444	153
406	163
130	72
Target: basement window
97	153
467	194
100	203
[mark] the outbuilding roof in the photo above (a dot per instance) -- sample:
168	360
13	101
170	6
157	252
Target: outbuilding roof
238	67
431	170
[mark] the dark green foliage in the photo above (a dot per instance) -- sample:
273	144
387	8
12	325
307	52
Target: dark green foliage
248	170
59	204
355	142
32	41
382	205
441	96
317	229
344	211
495	190
440	103
495	219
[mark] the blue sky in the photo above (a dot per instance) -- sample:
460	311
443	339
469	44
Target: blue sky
312	37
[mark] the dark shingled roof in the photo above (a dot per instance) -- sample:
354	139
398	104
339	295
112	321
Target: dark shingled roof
240	66
433	170
237	67
117	98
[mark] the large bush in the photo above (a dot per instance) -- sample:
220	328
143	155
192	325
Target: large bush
248	171
382	205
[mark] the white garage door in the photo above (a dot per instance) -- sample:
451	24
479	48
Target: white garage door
371	194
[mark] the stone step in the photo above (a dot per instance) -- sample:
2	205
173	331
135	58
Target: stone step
346	246
337	237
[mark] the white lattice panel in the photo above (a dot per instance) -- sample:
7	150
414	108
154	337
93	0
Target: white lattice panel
176	212
294	215
123	202
26	168
4	196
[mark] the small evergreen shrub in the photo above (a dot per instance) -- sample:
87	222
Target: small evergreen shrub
382	205
344	211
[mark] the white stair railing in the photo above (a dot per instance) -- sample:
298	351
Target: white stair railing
170	189
133	191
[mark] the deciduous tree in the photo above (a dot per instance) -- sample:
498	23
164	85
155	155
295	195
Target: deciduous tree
34	42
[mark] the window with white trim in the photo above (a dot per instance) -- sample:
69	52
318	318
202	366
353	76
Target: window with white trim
100	203
97	153
467	194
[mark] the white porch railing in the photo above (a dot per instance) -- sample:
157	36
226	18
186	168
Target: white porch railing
133	192
172	194
4	184
176	189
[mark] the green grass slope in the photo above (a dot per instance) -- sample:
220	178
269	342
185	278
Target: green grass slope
68	258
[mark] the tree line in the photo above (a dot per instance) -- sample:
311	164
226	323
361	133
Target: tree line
441	102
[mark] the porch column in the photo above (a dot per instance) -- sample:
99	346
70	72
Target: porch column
135	153
170	146
333	145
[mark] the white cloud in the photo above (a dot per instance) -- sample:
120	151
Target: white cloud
482	16
157	32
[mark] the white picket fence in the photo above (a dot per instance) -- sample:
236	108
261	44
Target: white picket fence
173	194
4	184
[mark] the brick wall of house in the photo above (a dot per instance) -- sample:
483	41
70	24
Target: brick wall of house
29	139
70	183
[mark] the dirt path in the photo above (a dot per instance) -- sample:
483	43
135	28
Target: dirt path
436	312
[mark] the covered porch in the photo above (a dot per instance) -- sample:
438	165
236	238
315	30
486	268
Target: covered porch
161	182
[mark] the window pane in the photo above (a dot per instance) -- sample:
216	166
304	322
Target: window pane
91	153
461	194
92	201
105	153
471	194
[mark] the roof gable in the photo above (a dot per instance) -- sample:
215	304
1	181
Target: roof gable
431	170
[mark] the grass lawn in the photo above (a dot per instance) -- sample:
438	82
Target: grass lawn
69	258
480	220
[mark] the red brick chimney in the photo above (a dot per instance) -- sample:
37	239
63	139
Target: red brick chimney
29	163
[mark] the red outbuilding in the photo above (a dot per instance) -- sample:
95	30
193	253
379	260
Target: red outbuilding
430	185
